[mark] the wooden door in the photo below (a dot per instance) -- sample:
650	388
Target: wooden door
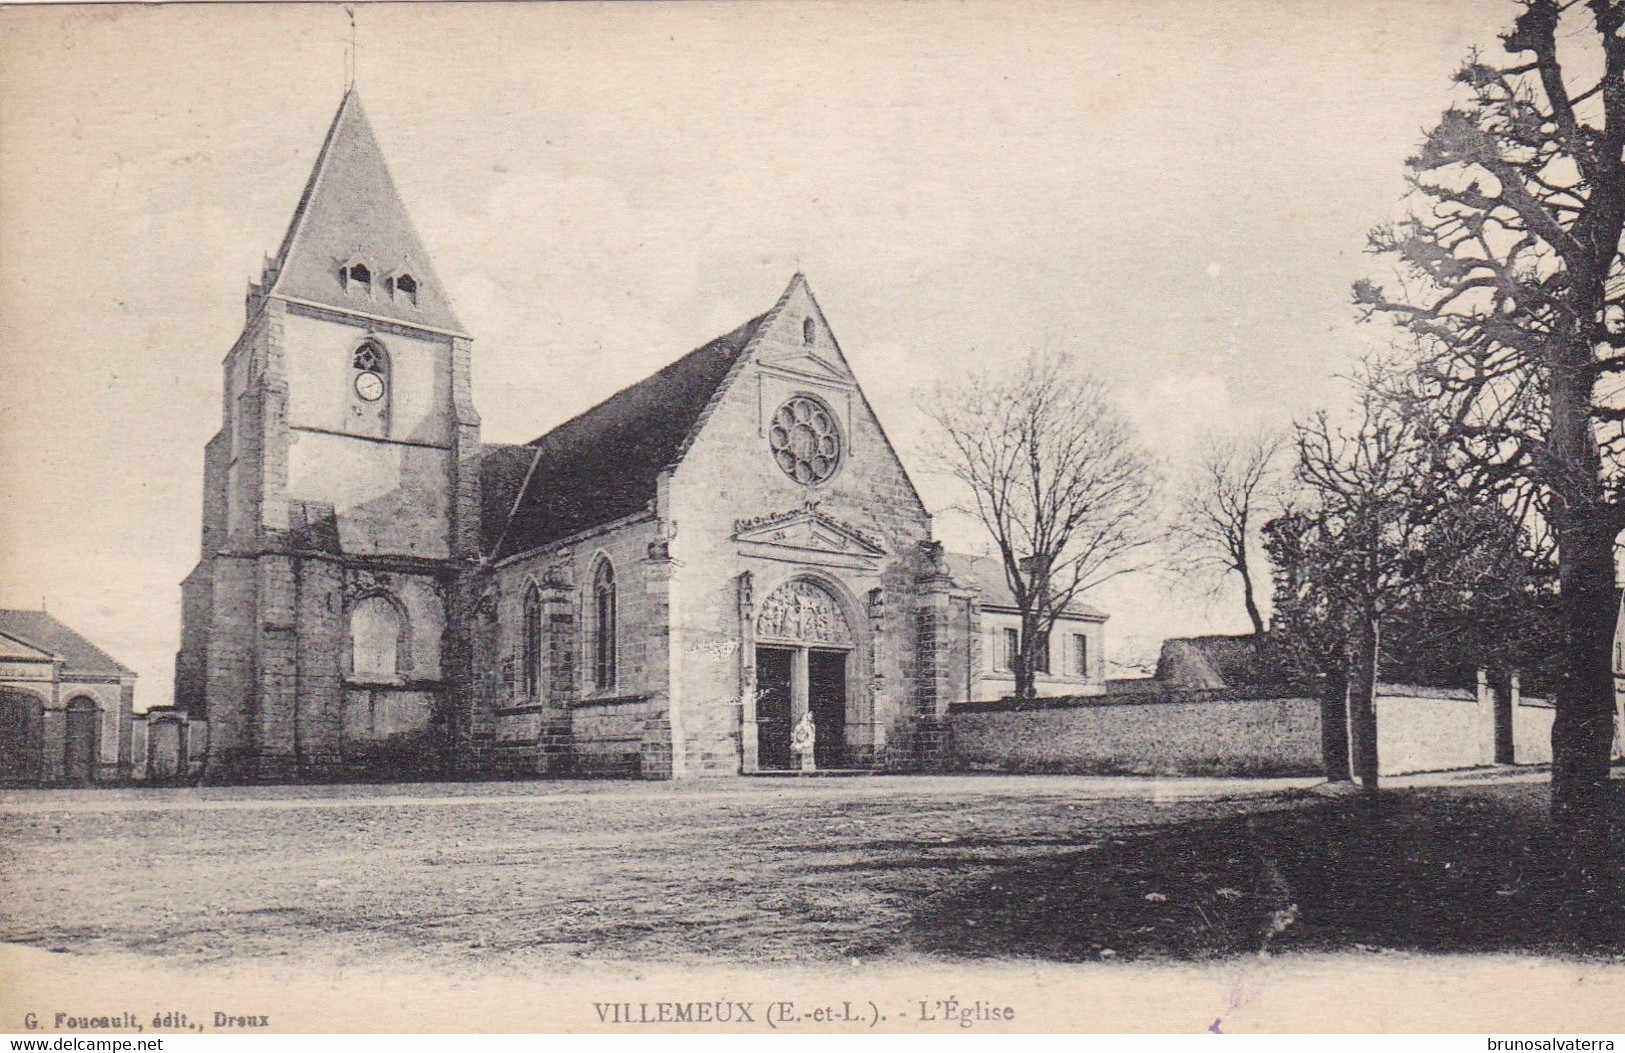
164	749
80	760
826	697
19	737
774	670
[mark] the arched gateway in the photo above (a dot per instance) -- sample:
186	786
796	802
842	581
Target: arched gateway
804	652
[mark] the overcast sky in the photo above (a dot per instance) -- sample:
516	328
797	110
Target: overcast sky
1177	191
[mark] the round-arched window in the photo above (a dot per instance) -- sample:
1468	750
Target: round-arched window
805	440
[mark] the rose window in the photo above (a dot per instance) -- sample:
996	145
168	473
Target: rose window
805	440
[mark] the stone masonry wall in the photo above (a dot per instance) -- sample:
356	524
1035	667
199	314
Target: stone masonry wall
1279	736
576	727
1212	733
729	474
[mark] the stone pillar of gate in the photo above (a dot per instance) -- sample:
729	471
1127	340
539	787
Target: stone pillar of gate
748	761
866	735
935	679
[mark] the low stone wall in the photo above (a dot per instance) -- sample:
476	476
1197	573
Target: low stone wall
1419	729
531	740
1165	734
1147	732
607	736
624	737
1532	731
1430	729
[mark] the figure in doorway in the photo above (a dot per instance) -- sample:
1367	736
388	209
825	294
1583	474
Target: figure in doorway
802	739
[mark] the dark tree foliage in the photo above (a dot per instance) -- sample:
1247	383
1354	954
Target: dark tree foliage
1307	645
1372	496
1482	599
1478	595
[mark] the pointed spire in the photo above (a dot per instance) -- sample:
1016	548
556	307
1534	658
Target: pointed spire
351	213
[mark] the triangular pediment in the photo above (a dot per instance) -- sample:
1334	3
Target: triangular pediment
792	350
807	366
811	531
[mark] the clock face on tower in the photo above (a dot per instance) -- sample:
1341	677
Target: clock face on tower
369	386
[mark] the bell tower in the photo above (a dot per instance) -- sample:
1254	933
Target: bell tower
341	498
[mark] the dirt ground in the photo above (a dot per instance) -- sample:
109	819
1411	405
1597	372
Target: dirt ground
759	870
787	871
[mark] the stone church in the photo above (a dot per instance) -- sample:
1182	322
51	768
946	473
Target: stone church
659	587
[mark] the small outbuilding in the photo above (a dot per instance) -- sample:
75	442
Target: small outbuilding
65	705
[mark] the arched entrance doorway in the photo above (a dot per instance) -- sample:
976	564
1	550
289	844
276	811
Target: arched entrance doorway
79	759
804	647
19	737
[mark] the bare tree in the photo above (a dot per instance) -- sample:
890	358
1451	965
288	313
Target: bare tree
1513	282
1371	513
1222	508
1056	476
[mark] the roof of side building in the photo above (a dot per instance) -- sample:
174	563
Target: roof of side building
44	632
1211	662
986	574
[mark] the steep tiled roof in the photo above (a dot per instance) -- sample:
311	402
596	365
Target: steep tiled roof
602	465
42	631
502	473
351	211
17	650
986	574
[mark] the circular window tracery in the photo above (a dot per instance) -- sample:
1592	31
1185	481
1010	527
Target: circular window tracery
805	440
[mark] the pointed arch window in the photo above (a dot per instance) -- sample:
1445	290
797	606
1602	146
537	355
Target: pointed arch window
603	599
369	375
406	288
531	652
809	330
377	631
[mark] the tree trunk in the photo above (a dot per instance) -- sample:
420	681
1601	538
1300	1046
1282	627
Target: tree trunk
1024	666
1582	731
1362	696
1250	601
1582	728
1334	728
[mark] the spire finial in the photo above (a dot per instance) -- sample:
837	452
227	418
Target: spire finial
349	53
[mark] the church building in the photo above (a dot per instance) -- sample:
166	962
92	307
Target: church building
660	587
